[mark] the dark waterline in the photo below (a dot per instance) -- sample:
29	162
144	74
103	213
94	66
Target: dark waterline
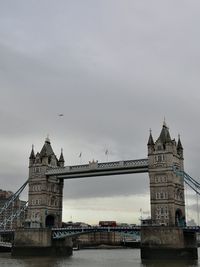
93	258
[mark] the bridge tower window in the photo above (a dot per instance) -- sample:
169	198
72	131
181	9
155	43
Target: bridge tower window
159	158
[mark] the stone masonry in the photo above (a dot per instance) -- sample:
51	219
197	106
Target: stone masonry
166	187
45	193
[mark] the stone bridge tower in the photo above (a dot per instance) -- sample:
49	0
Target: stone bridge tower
166	187
45	194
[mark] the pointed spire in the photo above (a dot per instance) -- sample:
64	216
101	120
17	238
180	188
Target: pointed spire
150	141
164	122
46	150
179	145
32	155
61	159
47	140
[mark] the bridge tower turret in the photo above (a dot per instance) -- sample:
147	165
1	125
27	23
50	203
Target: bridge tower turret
45	194
166	187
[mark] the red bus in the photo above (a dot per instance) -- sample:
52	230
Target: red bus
107	223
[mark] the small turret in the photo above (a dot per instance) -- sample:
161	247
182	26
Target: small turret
61	159
32	157
150	143
179	147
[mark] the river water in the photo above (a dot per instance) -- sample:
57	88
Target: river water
93	258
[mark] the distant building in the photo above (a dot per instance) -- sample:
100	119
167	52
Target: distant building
6	216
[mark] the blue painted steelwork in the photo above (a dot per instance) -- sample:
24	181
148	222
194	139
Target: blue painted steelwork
59	233
14	196
191	182
10	219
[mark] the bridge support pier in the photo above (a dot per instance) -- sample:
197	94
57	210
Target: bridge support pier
159	242
39	242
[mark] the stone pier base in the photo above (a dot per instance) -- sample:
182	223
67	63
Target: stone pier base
38	242
161	242
167	253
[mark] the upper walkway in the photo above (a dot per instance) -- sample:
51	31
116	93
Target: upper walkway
100	169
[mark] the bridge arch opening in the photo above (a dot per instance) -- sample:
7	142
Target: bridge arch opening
50	221
179	218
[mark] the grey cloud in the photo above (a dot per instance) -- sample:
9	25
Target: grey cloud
124	185
114	70
194	208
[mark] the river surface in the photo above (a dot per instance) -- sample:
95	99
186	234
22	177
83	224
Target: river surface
93	258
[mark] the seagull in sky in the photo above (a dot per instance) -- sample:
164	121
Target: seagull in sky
60	115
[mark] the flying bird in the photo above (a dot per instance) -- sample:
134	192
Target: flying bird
60	115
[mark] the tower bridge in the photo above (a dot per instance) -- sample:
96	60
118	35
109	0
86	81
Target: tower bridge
164	165
47	174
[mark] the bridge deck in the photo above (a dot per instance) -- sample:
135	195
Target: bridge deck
58	233
100	169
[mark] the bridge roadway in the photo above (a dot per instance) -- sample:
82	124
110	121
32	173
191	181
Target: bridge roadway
100	169
59	233
134	231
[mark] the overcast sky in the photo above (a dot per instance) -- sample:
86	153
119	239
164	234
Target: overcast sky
115	69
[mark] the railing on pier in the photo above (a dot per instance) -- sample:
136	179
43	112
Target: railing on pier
5	244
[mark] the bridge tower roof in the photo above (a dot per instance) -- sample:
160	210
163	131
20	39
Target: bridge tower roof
164	135
46	150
